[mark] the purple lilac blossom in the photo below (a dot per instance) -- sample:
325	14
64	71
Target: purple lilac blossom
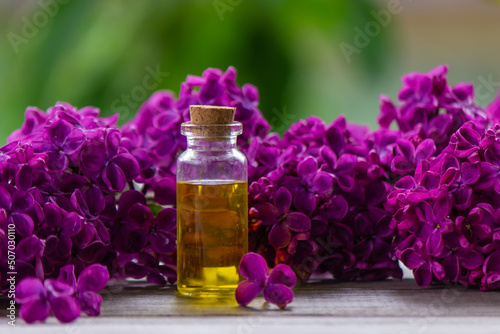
446	210
343	198
60	176
38	299
276	285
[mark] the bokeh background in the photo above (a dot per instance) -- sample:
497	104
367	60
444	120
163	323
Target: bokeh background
94	52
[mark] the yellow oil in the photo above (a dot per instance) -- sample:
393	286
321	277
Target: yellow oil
212	237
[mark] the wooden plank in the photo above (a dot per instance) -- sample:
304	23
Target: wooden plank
356	307
351	299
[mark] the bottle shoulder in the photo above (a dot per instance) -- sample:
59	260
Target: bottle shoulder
211	165
212	155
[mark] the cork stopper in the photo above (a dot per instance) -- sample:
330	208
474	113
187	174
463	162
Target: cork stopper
208	115
214	117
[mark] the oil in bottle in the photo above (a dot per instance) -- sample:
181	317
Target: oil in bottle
212	234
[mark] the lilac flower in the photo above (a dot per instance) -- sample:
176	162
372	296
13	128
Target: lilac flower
89	205
61	142
246	102
342	168
108	163
148	266
156	230
461	188
301	249
416	93
144	240
14	206
459	256
37	299
335	137
460	99
408	156
308	182
218	88
281	219
332	234
32	127
91	280
261	190
423	97
59	228
334	208
465	141
382	144
28	257
433	224
306	135
491	271
277	285
164	189
424	267
262	156
22	160
478	225
156	129
388	112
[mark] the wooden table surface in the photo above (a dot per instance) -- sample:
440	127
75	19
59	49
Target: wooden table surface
387	307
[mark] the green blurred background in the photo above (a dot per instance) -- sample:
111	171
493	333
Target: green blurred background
96	52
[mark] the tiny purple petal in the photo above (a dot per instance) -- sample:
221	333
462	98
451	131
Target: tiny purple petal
423	275
34	310
247	291
72	224
90	303
469	259
67	275
322	183
306	169
282	200
305	201
411	258
28	289
114	178
253	267
278	294
24	224
93	278
268	213
280	235
298	222
65	308
282	274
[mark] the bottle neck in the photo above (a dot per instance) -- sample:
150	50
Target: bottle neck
211	143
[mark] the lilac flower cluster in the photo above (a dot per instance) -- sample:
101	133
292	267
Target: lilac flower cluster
65	296
445	166
448	213
154	134
60	177
318	204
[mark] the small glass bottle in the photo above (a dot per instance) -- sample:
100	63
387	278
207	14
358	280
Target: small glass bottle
212	204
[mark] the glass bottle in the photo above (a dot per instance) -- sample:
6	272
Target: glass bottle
212	204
